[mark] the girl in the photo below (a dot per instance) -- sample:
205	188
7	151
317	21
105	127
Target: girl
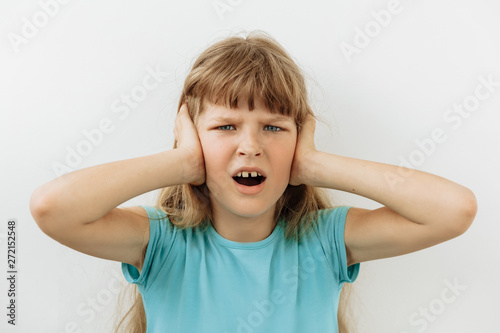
242	239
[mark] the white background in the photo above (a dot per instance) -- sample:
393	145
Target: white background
64	76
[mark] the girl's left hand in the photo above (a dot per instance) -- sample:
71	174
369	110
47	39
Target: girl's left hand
304	150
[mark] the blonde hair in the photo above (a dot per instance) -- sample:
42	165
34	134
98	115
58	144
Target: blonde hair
249	67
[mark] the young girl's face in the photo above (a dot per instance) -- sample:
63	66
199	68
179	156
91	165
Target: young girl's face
238	141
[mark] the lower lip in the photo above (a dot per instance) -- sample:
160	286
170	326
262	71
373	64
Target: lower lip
249	190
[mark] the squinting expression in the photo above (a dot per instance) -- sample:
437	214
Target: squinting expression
258	146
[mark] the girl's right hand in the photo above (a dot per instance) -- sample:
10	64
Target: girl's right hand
193	163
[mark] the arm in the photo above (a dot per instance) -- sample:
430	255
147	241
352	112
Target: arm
79	209
420	211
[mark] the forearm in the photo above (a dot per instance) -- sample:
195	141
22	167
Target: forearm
86	195
419	196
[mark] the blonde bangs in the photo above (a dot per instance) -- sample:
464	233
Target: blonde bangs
252	68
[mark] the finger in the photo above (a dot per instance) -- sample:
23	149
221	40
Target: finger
183	108
308	128
186	130
178	123
179	120
310	122
176	134
184	116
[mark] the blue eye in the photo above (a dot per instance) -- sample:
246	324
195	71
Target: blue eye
273	128
225	127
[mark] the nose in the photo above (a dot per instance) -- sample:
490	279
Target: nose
250	145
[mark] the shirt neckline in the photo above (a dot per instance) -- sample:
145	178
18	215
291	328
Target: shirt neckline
245	245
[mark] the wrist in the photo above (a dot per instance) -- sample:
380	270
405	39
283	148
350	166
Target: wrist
310	169
192	166
314	169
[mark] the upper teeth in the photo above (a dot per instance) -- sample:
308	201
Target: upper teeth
248	174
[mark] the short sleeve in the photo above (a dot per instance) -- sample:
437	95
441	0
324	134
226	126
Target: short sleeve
160	240
331	226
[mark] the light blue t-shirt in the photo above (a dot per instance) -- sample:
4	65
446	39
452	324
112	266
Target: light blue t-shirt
196	281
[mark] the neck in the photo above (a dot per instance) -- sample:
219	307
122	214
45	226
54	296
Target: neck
243	229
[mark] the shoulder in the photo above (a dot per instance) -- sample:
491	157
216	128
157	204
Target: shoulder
157	216
161	225
329	223
337	214
154	212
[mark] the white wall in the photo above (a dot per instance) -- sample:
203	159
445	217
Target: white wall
68	76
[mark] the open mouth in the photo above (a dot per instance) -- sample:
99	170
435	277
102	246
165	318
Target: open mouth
249	178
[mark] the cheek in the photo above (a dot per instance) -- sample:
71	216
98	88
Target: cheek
215	161
207	147
214	175
283	158
211	158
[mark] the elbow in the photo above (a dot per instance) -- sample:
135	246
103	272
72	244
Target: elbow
467	212
39	208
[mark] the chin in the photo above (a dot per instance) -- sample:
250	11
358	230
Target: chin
246	209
